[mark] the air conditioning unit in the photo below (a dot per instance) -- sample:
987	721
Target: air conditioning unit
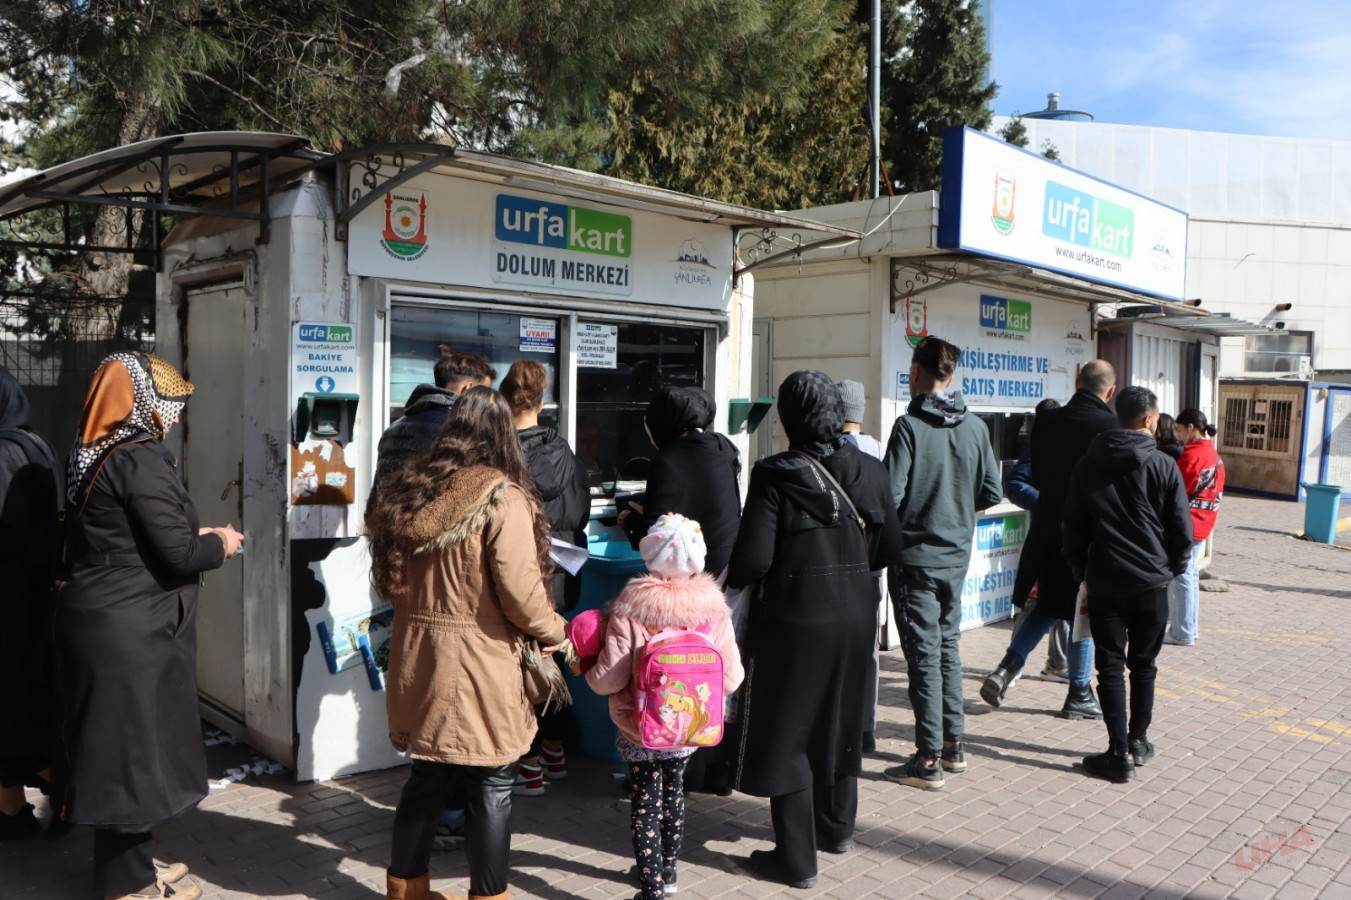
1289	365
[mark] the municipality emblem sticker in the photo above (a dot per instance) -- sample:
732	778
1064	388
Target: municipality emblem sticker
405	234
1001	213
916	320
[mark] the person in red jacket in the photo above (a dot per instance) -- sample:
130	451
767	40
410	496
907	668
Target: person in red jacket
1203	477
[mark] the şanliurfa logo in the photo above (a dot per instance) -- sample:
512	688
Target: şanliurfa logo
916	320
1001	213
405	235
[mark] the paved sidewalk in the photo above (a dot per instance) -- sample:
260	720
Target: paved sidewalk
1248	797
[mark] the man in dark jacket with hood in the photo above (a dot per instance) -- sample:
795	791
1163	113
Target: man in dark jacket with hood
1128	533
695	473
942	470
428	407
1059	440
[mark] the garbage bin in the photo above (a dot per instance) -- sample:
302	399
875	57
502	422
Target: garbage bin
1321	510
611	565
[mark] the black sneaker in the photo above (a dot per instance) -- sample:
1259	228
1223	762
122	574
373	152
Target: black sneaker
1142	751
953	759
668	879
21	826
766	865
916	774
829	846
1117	768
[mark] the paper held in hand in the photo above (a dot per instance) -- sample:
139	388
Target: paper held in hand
1081	630
568	557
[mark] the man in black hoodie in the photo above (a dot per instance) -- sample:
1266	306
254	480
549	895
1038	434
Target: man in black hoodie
942	470
1128	533
428	408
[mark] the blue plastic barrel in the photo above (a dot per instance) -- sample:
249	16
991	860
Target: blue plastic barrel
1321	510
611	565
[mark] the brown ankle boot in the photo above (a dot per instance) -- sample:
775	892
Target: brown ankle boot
505	895
419	888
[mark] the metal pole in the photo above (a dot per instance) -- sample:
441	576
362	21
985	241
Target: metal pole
875	113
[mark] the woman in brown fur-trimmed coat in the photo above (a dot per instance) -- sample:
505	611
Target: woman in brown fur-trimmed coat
459	547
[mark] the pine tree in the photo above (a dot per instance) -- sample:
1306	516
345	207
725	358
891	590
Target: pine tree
934	78
1014	132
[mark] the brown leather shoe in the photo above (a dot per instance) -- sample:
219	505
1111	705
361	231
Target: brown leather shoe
505	895
419	888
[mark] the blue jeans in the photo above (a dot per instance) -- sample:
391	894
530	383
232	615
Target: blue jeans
1034	626
1184	600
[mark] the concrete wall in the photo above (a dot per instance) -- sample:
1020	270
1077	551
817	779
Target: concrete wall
1270	219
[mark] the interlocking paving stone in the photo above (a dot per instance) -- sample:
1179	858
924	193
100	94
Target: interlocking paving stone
1252	725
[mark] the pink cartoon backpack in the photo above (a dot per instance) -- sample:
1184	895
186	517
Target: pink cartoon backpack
678	698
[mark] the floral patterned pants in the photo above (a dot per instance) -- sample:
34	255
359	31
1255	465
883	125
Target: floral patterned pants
658	819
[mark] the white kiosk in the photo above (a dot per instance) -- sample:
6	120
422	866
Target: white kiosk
1018	265
306	296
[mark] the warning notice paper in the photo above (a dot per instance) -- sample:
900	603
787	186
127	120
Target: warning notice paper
597	346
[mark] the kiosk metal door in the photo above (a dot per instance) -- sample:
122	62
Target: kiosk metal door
213	422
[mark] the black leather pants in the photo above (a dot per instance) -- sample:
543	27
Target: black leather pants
486	793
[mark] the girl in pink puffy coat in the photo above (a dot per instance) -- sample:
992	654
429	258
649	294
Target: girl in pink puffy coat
674	594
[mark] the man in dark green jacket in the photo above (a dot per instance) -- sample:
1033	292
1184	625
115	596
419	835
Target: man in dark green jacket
943	470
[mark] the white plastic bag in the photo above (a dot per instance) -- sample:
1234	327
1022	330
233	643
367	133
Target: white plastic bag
1081	629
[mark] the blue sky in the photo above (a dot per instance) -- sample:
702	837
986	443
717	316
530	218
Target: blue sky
1241	66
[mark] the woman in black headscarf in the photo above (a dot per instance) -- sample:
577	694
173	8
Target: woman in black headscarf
694	474
30	548
818	521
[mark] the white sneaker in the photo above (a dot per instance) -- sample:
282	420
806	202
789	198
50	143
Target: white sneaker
1051	673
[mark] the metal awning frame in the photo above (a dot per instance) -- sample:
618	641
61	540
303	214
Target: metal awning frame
932	271
363	174
1217	324
159	161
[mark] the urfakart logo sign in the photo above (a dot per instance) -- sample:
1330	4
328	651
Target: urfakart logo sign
1001	201
325	334
540	223
1000	531
1002	314
1077	217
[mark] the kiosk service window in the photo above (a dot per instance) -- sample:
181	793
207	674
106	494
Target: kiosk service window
618	374
618	365
416	334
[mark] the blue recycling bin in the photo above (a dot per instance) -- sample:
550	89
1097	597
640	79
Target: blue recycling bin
1322	508
611	565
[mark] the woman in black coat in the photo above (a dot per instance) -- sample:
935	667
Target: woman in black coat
131	741
30	548
560	481
812	626
696	473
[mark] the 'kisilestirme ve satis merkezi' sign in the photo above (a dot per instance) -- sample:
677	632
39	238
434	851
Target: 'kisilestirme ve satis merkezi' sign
456	231
1002	201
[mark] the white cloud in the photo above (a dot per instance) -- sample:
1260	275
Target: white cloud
1244	67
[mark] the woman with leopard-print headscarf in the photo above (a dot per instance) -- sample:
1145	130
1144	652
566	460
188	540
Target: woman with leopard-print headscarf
130	752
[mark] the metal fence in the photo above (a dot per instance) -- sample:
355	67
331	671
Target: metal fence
52	342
